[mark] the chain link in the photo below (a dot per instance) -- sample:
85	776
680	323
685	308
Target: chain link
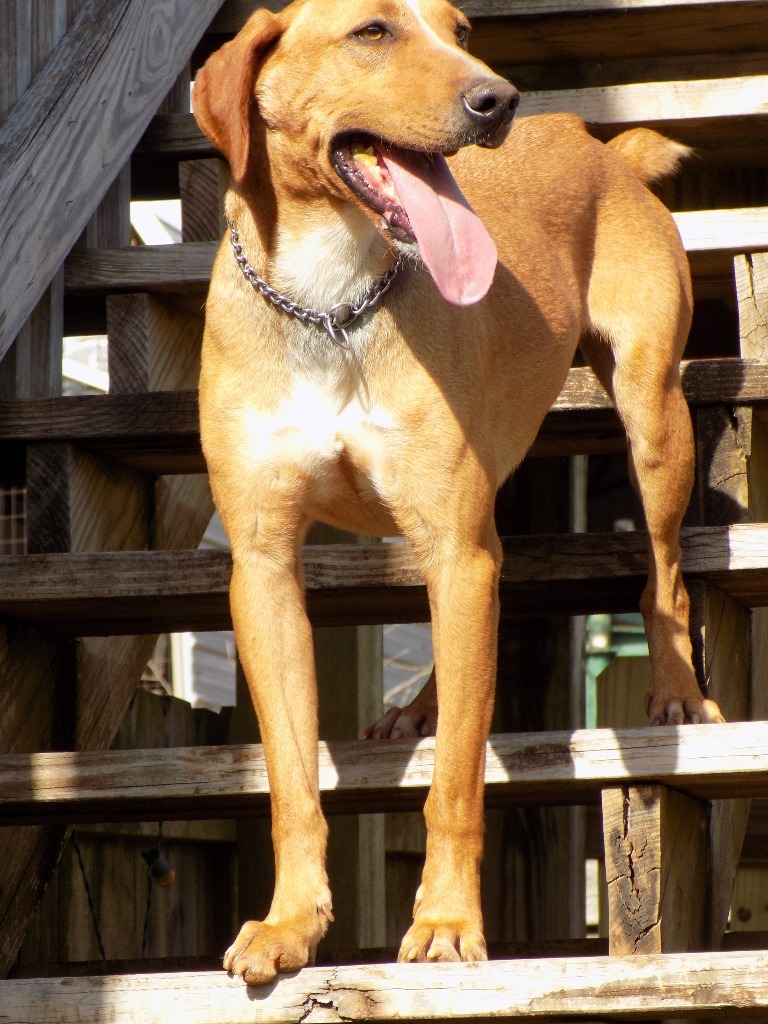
338	318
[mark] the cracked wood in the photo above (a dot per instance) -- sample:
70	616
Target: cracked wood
714	986
656	862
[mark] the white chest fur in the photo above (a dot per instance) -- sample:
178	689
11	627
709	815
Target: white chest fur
316	427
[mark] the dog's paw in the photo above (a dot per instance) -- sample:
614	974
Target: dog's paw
675	711
261	950
431	942
409	722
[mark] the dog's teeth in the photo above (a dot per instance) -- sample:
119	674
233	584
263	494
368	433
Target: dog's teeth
369	159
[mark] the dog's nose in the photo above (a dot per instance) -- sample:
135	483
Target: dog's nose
491	105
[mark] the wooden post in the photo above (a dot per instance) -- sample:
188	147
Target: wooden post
656	866
730	643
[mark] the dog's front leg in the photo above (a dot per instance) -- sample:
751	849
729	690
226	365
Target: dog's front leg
275	646
462	577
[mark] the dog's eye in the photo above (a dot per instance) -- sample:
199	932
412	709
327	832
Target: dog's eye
462	36
372	33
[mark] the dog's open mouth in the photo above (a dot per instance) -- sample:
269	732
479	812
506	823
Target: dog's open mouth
362	167
419	200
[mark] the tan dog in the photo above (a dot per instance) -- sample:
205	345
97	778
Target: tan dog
333	115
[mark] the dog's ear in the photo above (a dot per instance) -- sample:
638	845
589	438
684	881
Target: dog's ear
223	90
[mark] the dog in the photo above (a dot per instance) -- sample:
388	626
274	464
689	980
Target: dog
392	314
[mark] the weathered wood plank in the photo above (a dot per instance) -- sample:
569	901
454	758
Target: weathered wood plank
235	12
656	866
752	293
552	768
182	267
677	107
123	426
74	129
723	231
186	267
655	102
158	432
660	987
741	940
113	593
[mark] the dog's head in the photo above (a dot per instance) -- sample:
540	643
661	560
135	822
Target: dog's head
361	100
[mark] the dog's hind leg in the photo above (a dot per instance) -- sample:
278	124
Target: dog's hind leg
419	718
640	309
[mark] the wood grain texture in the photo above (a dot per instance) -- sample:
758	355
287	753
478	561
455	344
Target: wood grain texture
112	593
656	864
550	768
184	266
578	988
711	238
752	297
651	102
74	129
235	12
159	431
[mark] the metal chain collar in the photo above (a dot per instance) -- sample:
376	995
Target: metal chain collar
338	318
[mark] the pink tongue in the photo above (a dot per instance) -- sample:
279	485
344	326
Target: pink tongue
454	244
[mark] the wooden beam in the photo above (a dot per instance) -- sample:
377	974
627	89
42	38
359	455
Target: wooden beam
111	593
656	865
182	267
550	768
158	432
723	231
751	293
673	106
660	987
711	238
235	12
649	103
75	127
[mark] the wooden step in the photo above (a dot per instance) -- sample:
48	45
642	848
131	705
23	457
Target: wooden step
135	592
183	269
553	768
681	108
713	986
158	432
724	119
532	950
548	31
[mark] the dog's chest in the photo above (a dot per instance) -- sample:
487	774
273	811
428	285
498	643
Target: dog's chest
330	433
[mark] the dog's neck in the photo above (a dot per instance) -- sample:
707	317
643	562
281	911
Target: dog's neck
329	254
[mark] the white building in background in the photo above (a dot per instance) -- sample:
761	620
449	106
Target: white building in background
204	665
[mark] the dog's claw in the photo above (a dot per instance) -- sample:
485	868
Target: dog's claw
261	950
402	723
442	943
689	711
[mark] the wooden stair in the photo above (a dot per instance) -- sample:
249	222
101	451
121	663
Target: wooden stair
117	501
705	762
130	592
722	986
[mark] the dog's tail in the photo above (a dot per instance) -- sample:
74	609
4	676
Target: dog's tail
650	155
